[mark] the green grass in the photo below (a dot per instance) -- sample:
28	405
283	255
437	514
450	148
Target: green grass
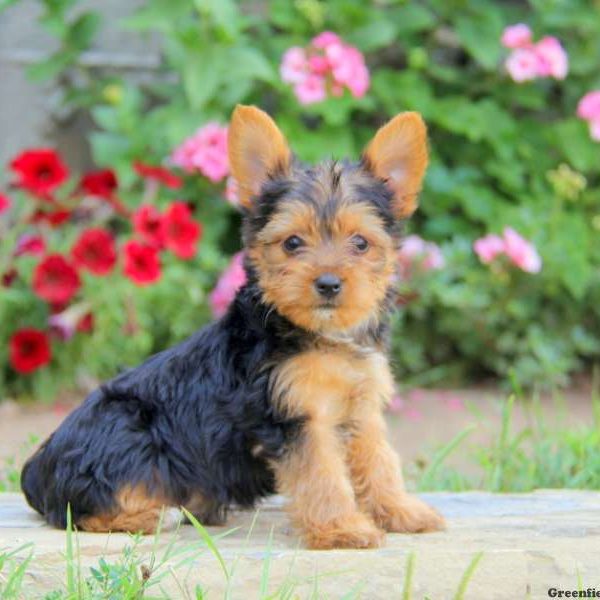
10	475
533	457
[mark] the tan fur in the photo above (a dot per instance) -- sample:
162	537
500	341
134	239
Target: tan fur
344	480
377	479
256	148
137	512
398	154
288	281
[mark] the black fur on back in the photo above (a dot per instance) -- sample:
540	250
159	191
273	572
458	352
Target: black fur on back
187	419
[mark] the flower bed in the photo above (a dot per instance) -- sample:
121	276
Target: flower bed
500	274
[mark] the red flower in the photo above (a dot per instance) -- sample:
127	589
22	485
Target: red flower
159	174
4	203
148	222
86	323
29	350
180	231
142	264
55	279
95	251
53	218
30	244
9	276
99	183
39	171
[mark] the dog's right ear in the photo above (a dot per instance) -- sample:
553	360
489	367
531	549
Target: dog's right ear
257	150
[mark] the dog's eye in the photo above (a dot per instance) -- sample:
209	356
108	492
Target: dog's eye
359	243
293	243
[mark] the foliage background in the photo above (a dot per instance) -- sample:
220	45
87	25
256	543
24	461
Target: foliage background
495	145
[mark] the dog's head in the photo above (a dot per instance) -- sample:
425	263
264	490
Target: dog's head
323	239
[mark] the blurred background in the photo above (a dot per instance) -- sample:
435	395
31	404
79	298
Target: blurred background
118	220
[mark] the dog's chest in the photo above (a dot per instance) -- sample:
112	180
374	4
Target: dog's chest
333	380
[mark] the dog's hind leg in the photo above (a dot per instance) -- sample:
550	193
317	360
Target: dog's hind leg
136	512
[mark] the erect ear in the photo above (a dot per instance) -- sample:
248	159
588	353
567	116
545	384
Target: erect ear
257	149
398	155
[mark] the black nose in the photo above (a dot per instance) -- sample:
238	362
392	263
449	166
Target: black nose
328	285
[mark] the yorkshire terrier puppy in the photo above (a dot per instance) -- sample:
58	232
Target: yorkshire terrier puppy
283	394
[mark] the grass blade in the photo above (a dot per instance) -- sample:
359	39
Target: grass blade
408	577
467	576
207	539
71	587
441	455
264	579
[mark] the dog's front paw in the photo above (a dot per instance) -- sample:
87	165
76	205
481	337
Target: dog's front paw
409	515
354	531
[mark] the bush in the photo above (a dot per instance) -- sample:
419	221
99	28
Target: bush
509	154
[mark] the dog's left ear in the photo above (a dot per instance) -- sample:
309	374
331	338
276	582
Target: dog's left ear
257	150
398	155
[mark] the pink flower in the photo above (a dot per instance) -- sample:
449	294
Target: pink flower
205	151
417	252
30	244
327	66
588	109
516	36
348	68
325	39
552	58
589	106
317	64
5	203
522	65
311	90
434	259
488	247
595	129
231	280
521	252
294	65
232	191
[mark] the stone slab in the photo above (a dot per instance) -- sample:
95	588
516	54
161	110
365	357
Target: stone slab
530	543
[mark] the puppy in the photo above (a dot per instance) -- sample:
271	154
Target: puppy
283	394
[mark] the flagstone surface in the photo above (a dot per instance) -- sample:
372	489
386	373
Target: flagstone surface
530	543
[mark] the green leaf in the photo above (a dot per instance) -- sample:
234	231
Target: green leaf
413	17
479	203
480	34
159	15
573	137
404	90
110	148
224	14
374	35
82	31
105	117
53	66
567	254
202	75
244	62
